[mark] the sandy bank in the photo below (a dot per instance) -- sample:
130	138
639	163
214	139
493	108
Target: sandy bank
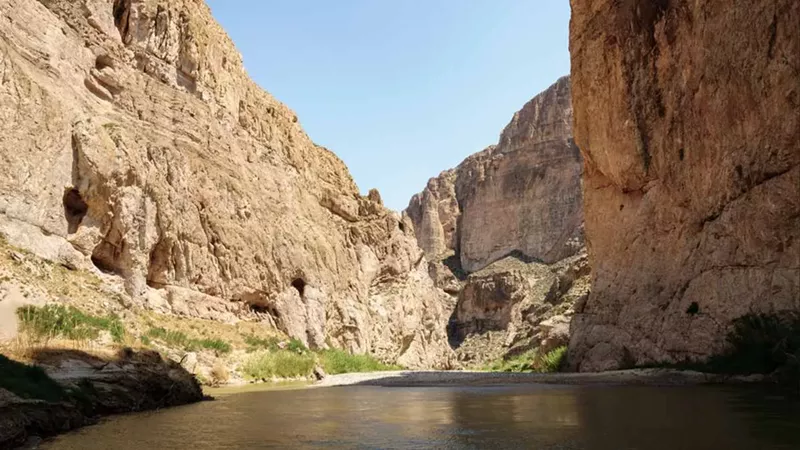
648	377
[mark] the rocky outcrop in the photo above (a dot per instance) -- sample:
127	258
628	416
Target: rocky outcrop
494	227
512	306
134	142
688	117
75	388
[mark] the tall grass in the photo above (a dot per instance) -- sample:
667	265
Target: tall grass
265	365
340	361
255	343
54	321
178	339
552	361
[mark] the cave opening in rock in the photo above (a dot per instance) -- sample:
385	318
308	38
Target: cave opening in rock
106	257
75	209
693	309
300	285
121	11
402	226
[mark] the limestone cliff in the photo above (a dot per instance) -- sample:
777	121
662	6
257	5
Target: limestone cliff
132	140
495	227
688	118
521	196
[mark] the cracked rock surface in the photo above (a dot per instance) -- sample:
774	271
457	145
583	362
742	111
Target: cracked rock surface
133	141
688	118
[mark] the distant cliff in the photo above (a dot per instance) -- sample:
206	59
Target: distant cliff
521	197
495	227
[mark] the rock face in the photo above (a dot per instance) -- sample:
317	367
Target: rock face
133	140
129	382
512	306
522	196
688	117
491	227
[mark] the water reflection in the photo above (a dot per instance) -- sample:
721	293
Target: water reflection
545	417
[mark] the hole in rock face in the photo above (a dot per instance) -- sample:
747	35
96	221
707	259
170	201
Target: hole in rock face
265	309
300	285
107	255
402	226
681	154
75	209
121	11
103	265
693	309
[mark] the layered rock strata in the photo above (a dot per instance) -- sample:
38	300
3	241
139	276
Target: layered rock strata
503	227
134	142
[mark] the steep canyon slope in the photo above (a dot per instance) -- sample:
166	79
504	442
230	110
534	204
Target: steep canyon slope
688	117
133	142
504	232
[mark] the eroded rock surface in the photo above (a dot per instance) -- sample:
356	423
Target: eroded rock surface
522	196
133	141
688	117
500	228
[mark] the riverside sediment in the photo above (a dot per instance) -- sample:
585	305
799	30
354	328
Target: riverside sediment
645	377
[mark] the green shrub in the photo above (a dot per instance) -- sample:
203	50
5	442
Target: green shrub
552	361
518	363
296	345
177	339
52	321
762	343
171	338
531	361
340	361
255	343
29	382
265	365
217	345
766	344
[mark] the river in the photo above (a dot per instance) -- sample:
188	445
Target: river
518	416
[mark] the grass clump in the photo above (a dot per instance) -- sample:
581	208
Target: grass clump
178	339
552	361
265	365
297	346
29	382
52	321
531	361
340	361
255	343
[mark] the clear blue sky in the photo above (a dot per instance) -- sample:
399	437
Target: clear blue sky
401	90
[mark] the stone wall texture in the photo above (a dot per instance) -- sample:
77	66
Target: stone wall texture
688	117
133	141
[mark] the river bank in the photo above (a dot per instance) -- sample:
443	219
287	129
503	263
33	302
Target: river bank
645	377
69	389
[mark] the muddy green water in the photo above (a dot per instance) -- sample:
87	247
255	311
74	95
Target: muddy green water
529	416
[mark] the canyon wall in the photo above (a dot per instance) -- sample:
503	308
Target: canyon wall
520	197
134	143
503	232
688	118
